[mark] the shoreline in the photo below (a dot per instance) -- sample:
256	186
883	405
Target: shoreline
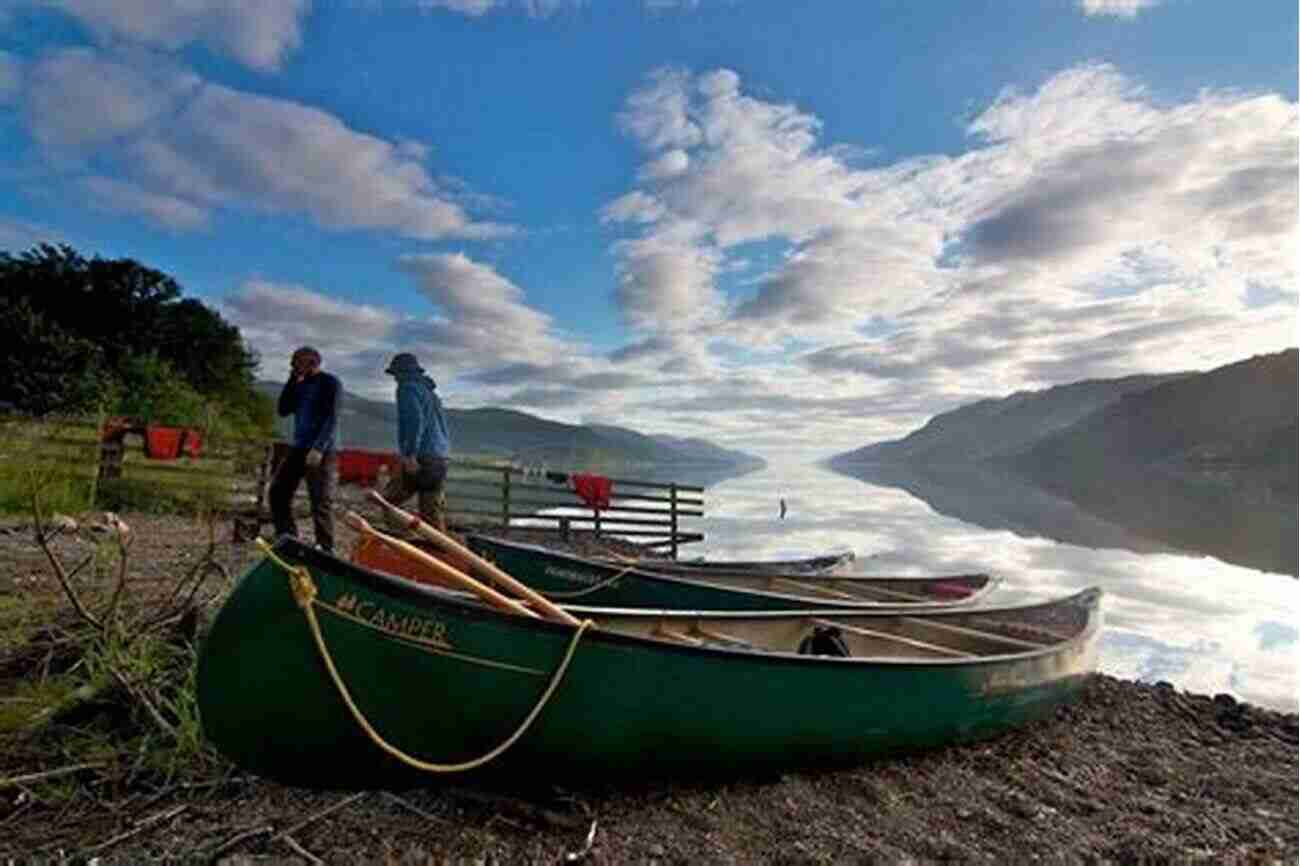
1130	772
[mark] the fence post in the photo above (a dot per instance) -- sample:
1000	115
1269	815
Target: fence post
505	497
110	458
596	511
672	518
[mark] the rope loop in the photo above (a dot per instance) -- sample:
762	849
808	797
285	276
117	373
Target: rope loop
304	592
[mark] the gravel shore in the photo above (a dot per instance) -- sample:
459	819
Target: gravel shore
1130	773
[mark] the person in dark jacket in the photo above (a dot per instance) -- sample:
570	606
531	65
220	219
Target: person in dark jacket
423	441
313	397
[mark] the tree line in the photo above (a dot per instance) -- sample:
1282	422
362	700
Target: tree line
81	335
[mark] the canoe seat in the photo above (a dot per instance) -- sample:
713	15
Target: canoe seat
900	640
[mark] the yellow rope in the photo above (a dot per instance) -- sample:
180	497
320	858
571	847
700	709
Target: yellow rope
304	593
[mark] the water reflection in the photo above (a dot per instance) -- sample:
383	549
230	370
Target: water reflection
1198	622
1241	519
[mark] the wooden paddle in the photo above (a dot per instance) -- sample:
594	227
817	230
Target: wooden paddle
453	575
474	561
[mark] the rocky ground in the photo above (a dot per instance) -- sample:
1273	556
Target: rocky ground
1131	773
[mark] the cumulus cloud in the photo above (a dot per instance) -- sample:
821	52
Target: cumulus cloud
1162	233
164	210
487	310
1117	8
479	339
259	35
183	147
477	8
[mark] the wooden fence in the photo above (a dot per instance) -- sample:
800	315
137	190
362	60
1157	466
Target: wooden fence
231	475
482	494
648	512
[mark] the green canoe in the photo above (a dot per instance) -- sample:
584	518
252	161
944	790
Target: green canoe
829	563
568	579
426	676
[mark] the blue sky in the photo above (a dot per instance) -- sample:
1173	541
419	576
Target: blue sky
780	226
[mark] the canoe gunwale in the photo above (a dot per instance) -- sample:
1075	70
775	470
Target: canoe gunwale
404	589
797	602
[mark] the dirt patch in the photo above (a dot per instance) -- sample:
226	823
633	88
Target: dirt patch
1131	772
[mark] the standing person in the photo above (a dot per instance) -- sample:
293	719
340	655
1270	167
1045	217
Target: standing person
313	398
423	442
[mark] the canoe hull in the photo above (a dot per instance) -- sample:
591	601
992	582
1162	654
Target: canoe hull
446	681
568	579
832	563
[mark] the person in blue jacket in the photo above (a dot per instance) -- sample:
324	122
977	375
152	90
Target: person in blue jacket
423	441
313	397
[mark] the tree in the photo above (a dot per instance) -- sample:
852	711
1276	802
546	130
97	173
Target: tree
44	368
204	349
114	303
140	327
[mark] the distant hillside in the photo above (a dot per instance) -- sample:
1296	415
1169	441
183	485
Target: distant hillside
506	433
1199	461
1243	414
1001	427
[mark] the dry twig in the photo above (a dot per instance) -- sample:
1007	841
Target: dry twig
301	851
410	807
48	774
321	814
236	840
139	828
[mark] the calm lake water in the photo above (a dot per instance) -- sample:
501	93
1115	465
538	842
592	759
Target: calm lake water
1198	622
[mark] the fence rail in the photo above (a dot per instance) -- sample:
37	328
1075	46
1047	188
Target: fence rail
480	493
232	475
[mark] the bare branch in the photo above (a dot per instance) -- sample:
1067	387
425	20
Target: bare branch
140	827
143	699
59	571
48	774
237	839
301	851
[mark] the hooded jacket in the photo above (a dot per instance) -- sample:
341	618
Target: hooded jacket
421	426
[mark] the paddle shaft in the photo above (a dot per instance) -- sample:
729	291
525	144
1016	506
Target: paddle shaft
454	575
476	562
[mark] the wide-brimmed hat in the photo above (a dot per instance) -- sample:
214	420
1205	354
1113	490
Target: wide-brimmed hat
404	362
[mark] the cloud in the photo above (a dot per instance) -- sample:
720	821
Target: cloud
20	234
173	138
478	8
165	210
296	314
259	35
487	310
480	341
1116	8
1153	229
665	279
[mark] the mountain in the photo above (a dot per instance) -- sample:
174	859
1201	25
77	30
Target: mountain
1240	415
1201	461
1002	427
492	433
